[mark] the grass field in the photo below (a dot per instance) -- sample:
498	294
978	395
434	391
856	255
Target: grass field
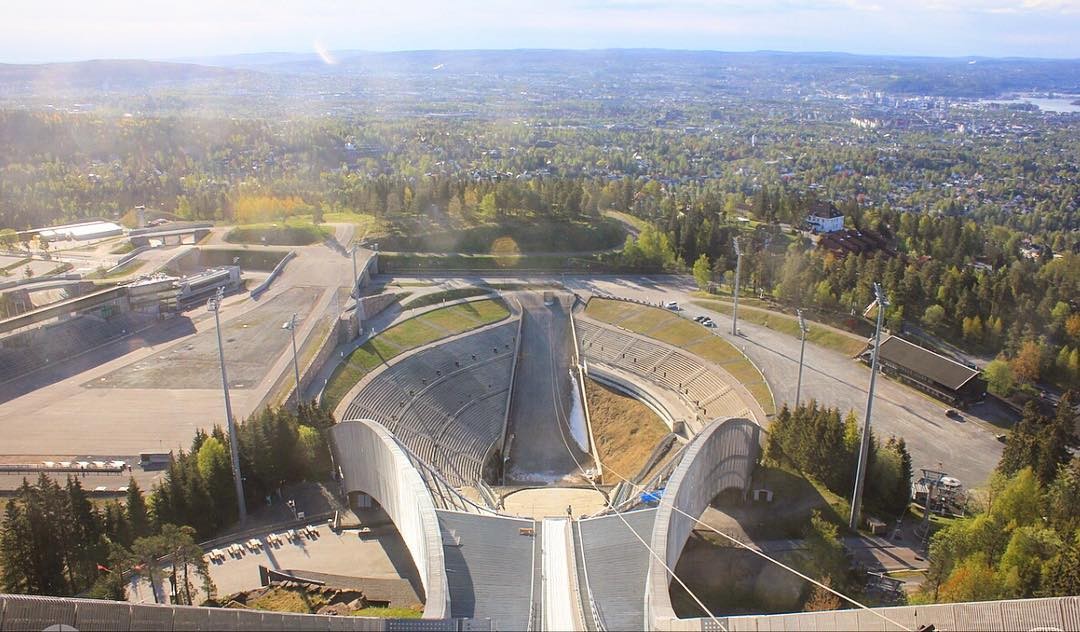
636	222
848	344
390	613
409	334
405	263
122	248
446	295
668	327
130	267
610	311
512	235
291	232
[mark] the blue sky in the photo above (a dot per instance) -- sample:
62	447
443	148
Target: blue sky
59	30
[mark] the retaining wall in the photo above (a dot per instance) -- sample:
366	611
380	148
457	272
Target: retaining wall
722	456
371	461
265	285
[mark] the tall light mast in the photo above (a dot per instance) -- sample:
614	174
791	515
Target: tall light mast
864	444
214	305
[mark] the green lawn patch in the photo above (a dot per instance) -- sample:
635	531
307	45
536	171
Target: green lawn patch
763	395
128	268
627	218
680	332
609	311
668	327
288	600
409	334
819	334
410	263
445	296
289	233
247	259
644	320
526	235
722	353
389	613
122	248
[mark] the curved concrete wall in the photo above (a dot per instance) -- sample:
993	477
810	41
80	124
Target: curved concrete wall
722	456
372	462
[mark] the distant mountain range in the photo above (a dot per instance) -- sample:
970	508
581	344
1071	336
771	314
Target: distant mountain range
970	76
109	74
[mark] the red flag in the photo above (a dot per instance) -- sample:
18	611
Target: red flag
103	568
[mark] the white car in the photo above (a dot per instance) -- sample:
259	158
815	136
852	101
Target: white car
672	305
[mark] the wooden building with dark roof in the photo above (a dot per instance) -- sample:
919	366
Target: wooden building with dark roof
930	372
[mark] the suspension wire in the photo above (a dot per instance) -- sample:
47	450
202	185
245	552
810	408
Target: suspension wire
764	555
559	419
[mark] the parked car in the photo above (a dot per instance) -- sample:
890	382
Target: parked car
672	305
708	322
952	413
700	319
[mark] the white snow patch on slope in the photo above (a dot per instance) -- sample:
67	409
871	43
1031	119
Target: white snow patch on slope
578	428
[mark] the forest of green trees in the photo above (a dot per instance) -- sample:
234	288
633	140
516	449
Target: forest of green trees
817	442
1022	538
1025	539
964	213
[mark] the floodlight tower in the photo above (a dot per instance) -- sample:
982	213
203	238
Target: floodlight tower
356	281
738	272
214	305
864	444
803	330
290	325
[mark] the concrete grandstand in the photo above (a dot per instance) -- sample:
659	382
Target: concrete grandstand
433	434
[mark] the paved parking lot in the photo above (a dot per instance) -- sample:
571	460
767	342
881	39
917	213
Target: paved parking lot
345	553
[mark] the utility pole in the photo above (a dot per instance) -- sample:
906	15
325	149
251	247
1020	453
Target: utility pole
355	281
802	352
291	326
214	305
864	444
738	272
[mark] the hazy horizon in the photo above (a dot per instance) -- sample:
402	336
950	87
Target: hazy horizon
337	54
66	30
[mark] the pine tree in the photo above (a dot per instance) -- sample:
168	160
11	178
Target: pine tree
1022	447
85	546
137	516
15	557
43	525
903	490
114	524
216	472
1061	574
774	447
